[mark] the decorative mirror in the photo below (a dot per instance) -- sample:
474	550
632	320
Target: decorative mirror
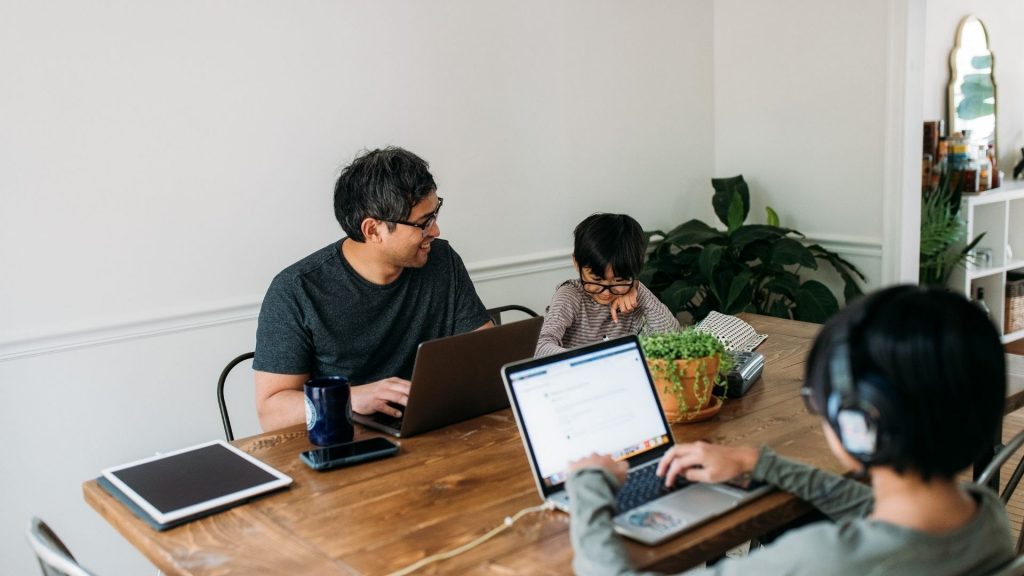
972	86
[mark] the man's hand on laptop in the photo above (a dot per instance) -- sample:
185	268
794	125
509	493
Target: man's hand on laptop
703	462
617	469
374	397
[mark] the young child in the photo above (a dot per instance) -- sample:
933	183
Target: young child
909	384
607	301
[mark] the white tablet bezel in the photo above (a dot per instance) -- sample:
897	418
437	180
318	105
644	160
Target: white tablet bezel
280	480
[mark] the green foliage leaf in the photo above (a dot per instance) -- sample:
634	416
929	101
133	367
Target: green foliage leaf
753	267
785	285
692	232
788	251
709	259
678	294
681	345
779	309
736	212
722	199
740	293
750	233
942	232
815	302
772	217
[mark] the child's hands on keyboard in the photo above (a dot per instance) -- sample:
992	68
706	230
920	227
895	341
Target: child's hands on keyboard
703	462
618	469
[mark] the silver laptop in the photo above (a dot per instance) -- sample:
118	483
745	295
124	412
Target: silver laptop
601	399
458	377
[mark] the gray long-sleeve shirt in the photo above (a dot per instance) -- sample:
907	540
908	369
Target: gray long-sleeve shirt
853	545
574	319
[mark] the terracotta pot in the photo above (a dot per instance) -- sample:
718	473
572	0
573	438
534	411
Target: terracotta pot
695	394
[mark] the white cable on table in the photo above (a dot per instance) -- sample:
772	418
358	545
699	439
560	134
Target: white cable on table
509	521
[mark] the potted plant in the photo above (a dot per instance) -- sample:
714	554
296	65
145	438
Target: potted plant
696	268
686	365
942	233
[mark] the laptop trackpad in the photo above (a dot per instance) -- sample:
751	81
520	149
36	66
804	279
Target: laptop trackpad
670	514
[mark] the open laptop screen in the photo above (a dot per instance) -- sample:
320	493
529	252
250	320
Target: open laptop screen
590	400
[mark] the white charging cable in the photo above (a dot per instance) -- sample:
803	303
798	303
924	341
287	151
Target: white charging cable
509	521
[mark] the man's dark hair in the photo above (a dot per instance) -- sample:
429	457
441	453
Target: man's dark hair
383	183
939	364
614	240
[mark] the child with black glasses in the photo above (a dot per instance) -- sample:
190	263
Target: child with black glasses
607	301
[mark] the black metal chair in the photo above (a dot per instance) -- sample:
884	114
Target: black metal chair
54	557
495	313
220	392
992	470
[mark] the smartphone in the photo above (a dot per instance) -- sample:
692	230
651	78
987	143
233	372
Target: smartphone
348	453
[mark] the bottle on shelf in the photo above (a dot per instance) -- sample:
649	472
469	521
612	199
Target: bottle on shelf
957	148
984	169
980	301
969	183
994	168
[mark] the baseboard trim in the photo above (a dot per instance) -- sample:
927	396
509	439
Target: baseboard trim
482	271
848	245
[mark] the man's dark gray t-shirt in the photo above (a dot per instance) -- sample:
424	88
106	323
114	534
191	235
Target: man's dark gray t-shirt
322	318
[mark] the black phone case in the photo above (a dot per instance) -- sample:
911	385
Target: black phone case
350	461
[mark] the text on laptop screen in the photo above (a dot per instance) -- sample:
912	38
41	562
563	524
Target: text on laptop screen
600	403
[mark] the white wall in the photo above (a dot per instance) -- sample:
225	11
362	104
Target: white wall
1004	19
159	162
800	112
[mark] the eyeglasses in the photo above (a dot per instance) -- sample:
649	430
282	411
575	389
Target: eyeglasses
424	226
598	287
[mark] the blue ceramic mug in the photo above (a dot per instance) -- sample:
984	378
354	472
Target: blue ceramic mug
328	410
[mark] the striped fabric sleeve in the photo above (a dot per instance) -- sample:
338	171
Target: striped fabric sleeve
560	315
659	317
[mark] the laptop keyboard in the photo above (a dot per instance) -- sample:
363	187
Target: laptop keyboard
387	420
643	485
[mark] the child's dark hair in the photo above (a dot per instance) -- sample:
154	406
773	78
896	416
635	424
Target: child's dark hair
940	365
615	240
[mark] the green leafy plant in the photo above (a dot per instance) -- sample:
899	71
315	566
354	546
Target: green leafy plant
746	267
942	233
687	344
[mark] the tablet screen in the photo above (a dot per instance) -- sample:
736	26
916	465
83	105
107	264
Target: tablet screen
186	482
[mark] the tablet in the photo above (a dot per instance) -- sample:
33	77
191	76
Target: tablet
194	481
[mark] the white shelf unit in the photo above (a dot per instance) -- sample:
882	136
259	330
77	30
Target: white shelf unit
999	214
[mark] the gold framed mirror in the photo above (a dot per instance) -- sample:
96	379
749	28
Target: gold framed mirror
972	84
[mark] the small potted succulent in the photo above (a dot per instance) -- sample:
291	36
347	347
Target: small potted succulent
686	365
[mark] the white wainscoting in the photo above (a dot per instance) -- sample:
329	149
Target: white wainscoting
518	271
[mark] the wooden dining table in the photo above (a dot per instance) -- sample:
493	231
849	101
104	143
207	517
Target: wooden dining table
449	486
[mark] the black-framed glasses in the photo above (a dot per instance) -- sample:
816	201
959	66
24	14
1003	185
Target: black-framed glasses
598	287
424	226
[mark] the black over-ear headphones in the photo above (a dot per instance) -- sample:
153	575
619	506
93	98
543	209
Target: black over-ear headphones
858	408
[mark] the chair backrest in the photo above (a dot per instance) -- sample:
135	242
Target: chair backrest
992	470
220	392
54	557
495	313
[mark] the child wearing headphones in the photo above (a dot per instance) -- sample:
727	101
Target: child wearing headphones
607	301
910	384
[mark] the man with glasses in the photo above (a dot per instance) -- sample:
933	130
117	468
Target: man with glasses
360	306
607	301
